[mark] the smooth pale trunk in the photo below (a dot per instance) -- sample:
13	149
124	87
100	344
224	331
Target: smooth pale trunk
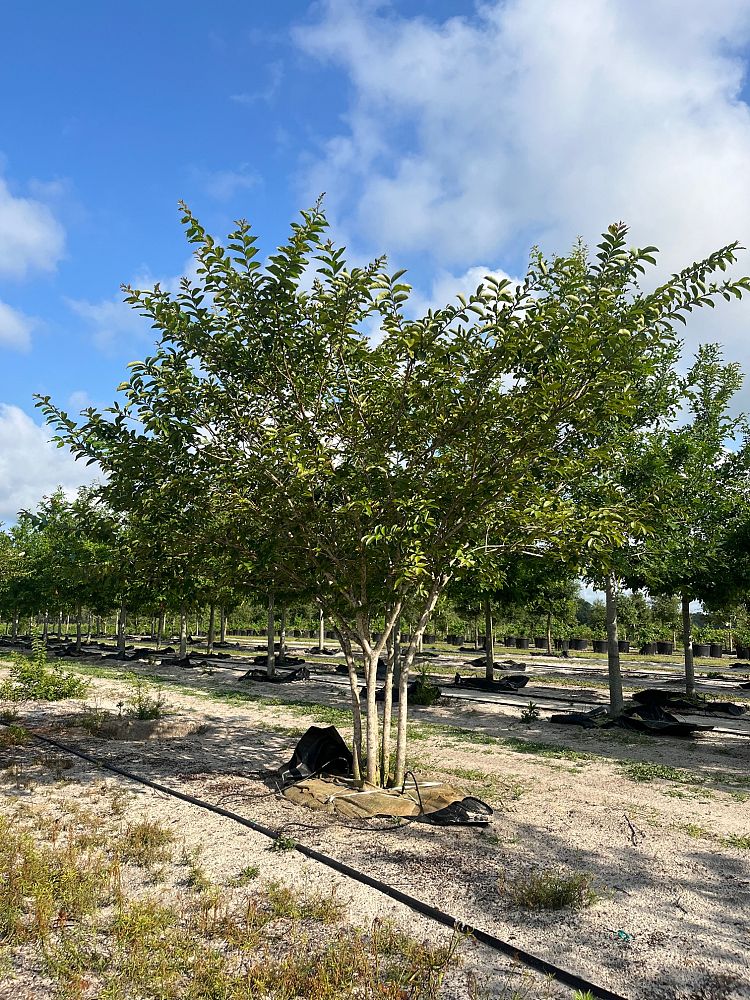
89	620
223	627
403	683
270	637
356	707
549	633
45	630
160	629
14	633
183	634
321	630
489	641
122	621
371	734
385	743
282	635
687	639
613	650
211	629
78	629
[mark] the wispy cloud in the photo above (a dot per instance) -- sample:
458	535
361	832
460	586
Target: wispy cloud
265	93
15	328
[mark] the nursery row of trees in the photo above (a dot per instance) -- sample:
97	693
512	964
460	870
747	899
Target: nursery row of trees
496	446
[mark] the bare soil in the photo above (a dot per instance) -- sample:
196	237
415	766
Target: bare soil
662	826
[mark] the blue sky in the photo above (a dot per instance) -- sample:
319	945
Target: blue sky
451	135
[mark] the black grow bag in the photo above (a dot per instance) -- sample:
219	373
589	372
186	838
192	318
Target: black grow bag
321	750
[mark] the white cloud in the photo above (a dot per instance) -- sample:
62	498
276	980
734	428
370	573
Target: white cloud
115	326
79	400
470	139
446	286
15	328
31	238
223	185
31	466
266	93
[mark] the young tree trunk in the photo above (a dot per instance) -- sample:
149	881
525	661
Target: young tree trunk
271	637
78	628
687	640
183	633
282	635
122	620
223	627
321	631
14	633
211	629
549	633
154	627
160	625
613	650
45	629
385	741
489	641
346	645
403	684
89	620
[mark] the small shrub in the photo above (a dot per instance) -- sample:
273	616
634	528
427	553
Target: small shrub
424	691
146	843
550	890
33	679
145	702
530	713
247	875
283	843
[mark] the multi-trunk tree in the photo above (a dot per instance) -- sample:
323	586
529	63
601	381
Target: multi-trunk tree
382	466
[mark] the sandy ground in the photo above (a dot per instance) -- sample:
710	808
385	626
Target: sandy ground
667	858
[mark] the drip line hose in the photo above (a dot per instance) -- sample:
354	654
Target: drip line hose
497	944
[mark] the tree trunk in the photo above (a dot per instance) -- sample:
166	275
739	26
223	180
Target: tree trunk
687	640
616	703
45	629
489	641
183	633
211	629
385	742
122	620
282	635
403	685
356	705
162	621
78	628
271	637
89	620
549	633
223	627
14	633
321	631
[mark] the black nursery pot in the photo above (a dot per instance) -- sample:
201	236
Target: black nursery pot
540	642
522	643
600	645
648	648
428	638
701	649
717	650
510	641
624	645
665	648
743	652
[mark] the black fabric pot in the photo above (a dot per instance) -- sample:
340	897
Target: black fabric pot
562	645
540	643
701	649
717	649
648	648
599	645
624	645
510	641
482	641
522	643
665	648
743	652
429	638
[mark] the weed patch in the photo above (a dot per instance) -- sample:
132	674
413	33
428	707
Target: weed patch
549	890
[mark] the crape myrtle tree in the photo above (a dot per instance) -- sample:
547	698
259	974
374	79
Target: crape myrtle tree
705	462
386	464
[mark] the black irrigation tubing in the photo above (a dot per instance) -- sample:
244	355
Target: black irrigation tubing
432	912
